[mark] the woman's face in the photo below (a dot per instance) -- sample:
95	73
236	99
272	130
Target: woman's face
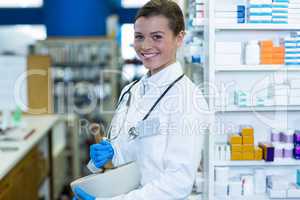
155	42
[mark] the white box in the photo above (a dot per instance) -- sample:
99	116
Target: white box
229	47
228	59
260	2
294	10
277	183
294	15
260	18
223	14
293	191
292	50
294	5
235	188
276	193
222	175
221	189
223	21
295	96
199	7
226	8
295	83
292	55
260	10
294	1
260	181
280	4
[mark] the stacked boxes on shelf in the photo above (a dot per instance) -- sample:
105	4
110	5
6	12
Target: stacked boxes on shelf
197	14
297	147
283	141
292	48
228	53
280	11
294	12
259	11
270	54
229	13
242	145
294	92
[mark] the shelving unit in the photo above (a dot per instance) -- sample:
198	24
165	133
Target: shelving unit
258	68
277	163
225	118
271	27
233	108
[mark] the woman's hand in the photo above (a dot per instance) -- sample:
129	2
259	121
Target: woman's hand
101	153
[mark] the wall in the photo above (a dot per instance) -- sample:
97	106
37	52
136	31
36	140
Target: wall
69	17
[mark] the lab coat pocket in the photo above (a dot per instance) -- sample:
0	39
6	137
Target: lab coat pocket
148	128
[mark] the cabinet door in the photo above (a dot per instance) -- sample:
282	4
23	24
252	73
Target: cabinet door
5	189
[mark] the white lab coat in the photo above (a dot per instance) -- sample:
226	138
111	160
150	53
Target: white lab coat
168	152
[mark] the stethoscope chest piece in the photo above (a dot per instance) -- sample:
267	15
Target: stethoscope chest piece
132	133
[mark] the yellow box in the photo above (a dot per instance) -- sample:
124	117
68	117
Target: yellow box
235	139
247	131
248	140
236	156
258	153
248	156
236	147
247	148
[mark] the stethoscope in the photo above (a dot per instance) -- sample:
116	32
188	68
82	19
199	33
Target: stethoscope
132	132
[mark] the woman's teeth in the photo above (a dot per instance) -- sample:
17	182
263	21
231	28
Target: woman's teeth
149	55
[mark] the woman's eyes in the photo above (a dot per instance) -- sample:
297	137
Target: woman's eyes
138	37
154	37
157	37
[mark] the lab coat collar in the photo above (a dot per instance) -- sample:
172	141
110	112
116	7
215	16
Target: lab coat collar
164	77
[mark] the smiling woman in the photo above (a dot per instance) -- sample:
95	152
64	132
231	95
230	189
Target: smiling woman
164	111
159	32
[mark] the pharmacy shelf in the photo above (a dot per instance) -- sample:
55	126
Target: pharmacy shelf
258	197
271	27
283	162
258	68
233	108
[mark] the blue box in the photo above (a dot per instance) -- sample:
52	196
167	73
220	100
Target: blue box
241	20
281	1
298	177
241	8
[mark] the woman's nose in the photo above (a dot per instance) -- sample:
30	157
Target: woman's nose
147	44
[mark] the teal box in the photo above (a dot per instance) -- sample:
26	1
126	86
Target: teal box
298	177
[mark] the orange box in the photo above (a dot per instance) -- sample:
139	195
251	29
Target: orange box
247	148
266	43
278	56
248	140
248	156
278	61
266	50
266	61
247	132
278	50
235	139
258	153
236	148
236	156
266	55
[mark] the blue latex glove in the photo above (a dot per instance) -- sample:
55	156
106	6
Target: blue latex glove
81	194
101	153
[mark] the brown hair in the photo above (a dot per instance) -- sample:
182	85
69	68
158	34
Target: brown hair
166	8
